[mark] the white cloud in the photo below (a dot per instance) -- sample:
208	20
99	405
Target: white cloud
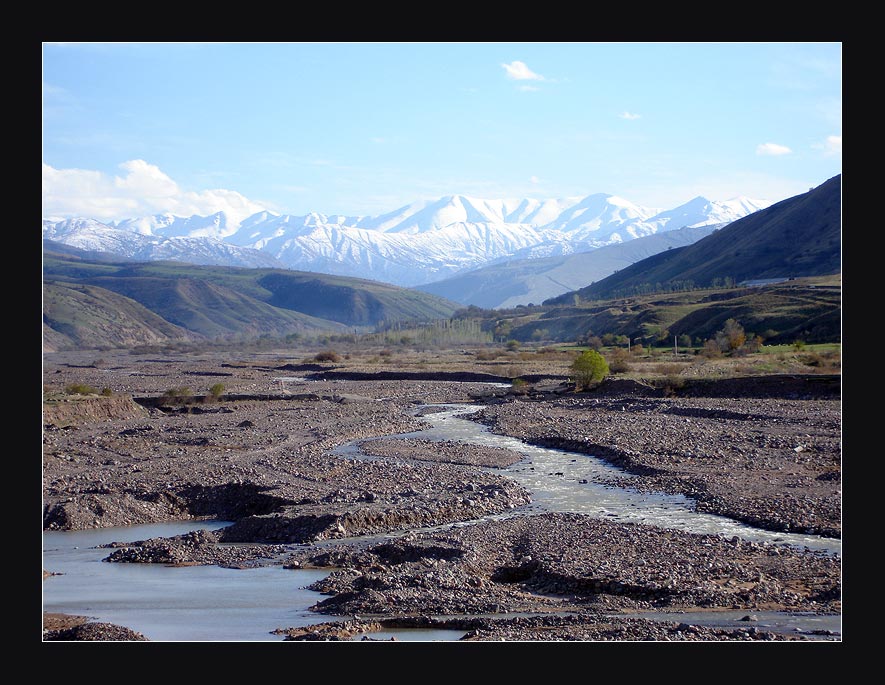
529	89
518	71
141	191
832	146
535	180
629	115
772	149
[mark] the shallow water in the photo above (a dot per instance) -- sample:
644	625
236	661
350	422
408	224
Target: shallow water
565	481
209	603
192	603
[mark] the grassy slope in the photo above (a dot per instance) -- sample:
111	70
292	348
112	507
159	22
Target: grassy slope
800	236
217	301
807	309
89	316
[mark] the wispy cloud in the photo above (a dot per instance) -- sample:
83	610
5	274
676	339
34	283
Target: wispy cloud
772	149
142	189
832	146
630	116
535	180
519	71
529	89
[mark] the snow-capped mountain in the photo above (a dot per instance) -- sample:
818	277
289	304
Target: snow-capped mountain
419	243
88	234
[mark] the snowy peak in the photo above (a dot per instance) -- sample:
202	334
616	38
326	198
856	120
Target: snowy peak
448	210
418	243
703	212
600	215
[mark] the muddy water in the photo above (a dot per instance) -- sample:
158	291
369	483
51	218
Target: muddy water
209	603
565	481
195	603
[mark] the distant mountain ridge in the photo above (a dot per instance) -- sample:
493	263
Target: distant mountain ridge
416	244
799	236
532	281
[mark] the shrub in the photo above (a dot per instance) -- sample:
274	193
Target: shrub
594	342
519	386
80	389
618	360
731	336
512	345
327	356
711	349
106	392
590	368
754	343
182	395
670	384
216	391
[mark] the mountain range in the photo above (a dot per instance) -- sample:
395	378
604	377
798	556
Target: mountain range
420	243
799	236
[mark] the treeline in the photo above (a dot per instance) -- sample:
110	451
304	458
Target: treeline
675	286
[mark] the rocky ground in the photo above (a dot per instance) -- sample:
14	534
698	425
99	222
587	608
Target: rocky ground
262	455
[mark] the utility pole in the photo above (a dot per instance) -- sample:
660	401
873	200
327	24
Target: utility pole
675	347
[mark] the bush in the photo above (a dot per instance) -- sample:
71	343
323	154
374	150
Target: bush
216	391
668	369
106	392
711	349
512	345
670	384
594	342
619	360
519	386
80	389
181	395
731	336
590	368
327	356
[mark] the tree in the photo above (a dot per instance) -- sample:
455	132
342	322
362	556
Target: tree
594	342
731	336
589	368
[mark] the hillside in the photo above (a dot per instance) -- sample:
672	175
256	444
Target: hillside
90	302
797	237
85	316
806	309
526	281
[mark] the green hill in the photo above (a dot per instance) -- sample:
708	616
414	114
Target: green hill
87	316
165	300
808	309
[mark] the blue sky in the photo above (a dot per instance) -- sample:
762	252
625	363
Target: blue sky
131	129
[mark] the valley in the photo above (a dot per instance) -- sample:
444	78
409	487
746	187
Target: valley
261	453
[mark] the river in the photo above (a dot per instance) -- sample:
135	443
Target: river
210	603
